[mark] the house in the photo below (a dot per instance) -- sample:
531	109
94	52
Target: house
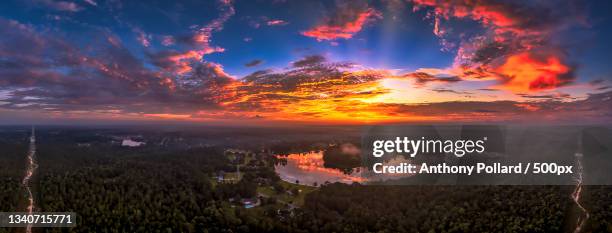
220	176
250	202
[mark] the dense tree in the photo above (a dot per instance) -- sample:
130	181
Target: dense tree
173	189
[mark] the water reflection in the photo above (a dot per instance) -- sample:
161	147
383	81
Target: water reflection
308	169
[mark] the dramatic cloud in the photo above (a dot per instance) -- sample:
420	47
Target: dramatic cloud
319	90
313	87
523	72
42	69
348	19
62	79
515	47
506	70
182	62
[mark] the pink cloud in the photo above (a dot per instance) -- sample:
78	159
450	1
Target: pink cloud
350	22
277	22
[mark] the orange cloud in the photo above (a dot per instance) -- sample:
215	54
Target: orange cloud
184	62
182	86
523	72
344	28
181	61
528	107
515	47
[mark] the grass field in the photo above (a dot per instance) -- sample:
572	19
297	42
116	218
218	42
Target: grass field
285	197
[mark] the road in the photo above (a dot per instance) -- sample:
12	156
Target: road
30	168
582	218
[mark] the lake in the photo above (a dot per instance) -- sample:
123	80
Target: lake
307	168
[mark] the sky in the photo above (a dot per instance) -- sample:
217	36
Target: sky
255	61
